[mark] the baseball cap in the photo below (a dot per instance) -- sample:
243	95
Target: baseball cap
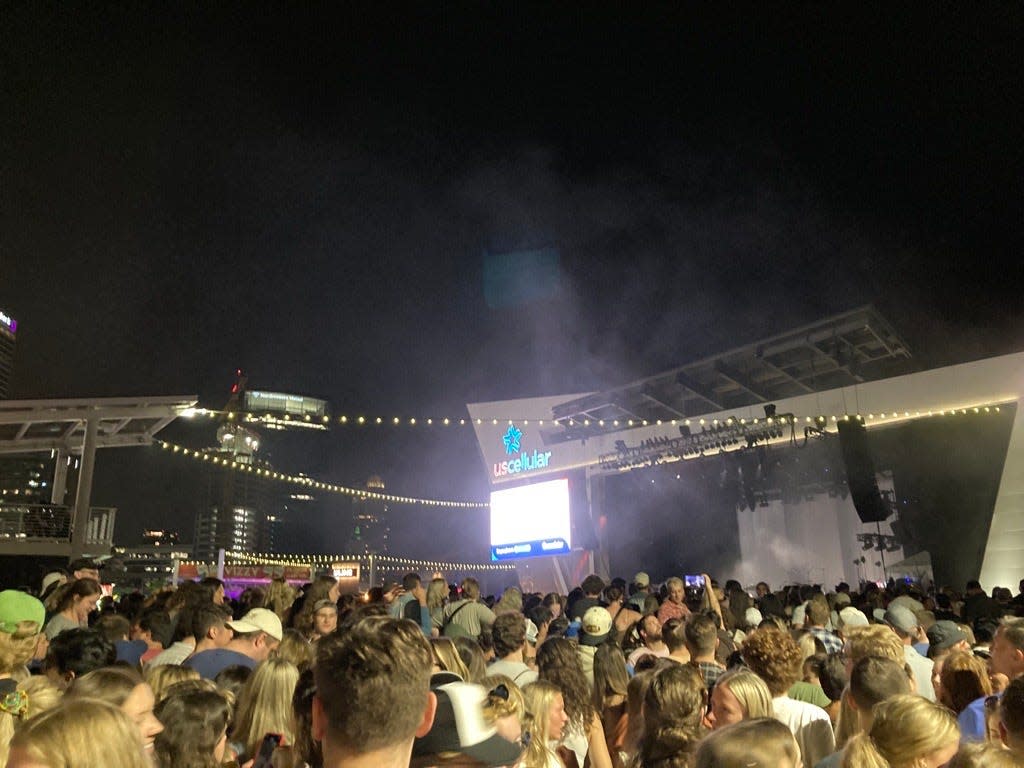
944	634
52	578
852	617
900	618
259	620
16	607
531	632
841	598
459	726
595	626
752	617
641	579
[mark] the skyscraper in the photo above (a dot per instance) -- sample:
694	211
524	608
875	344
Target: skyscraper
8	336
370	526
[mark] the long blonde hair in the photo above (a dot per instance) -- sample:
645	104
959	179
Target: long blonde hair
32	697
750	691
68	736
540	698
905	729
448	657
265	705
163	676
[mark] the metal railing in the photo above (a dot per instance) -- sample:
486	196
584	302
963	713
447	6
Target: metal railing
53	523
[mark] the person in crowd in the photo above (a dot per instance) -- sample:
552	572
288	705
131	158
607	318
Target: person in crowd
504	707
653	643
155	629
545	724
256	636
67	737
767	601
123	687
116	628
76	652
674	708
509	636
467	616
833	679
406	599
472	656
639	590
674	606
195	728
815	618
762	741
872	680
985	755
325	619
559	663
906	626
1007	650
461	734
555	603
324	587
906	731
373	694
775	657
296	649
280	597
595	630
978	605
738	695
216	589
74	602
51	581
437	596
701	632
163	676
611	687
673	634
1011	716
265	706
446	657
872	640
511	602
623	614
963	688
592	586
84	568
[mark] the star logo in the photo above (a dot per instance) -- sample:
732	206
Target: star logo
511	438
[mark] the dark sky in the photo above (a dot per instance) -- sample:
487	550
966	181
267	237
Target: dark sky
310	193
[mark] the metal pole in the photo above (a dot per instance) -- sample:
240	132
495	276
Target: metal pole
373	571
60	477
80	519
881	550
220	564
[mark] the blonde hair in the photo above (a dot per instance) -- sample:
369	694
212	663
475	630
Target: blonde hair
540	698
905	729
762	741
68	737
265	705
496	706
296	648
986	755
280	596
873	640
18	647
40	695
437	593
511	601
448	657
163	676
750	691
110	684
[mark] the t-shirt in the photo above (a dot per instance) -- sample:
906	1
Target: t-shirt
516	670
810	725
670	610
176	654
210	663
58	624
581	606
642	651
973	726
922	669
473	618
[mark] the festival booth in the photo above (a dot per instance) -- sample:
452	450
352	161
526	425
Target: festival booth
857	482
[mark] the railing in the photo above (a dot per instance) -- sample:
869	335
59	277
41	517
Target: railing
53	523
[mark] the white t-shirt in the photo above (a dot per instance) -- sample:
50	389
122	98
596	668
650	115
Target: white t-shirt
810	725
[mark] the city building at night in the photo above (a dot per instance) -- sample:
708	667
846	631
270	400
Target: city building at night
8	337
371	529
147	565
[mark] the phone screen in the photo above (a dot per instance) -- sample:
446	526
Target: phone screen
694	582
270	742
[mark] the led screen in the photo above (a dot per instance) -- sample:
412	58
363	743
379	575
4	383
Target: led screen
530	520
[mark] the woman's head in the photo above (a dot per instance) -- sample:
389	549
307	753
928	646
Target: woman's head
437	593
761	742
546	717
123	687
559	663
555	603
447	658
306	747
195	727
295	648
68	736
472	656
907	731
739	695
504	707
964	678
610	675
79	597
674	707
266	704
163	676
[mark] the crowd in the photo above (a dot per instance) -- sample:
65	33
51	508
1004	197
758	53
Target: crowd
617	675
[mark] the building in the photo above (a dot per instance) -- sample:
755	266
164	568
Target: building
26	478
8	336
370	530
149	565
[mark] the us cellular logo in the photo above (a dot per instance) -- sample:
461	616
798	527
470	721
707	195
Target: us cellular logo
523	462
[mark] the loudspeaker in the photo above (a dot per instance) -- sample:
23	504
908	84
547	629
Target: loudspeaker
860	472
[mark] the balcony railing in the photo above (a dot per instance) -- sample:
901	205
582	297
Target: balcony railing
52	523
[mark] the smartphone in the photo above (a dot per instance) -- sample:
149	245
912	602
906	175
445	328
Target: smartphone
693	582
270	742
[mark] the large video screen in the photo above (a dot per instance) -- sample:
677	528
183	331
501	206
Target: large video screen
531	520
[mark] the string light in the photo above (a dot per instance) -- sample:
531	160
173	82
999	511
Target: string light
303	479
380	561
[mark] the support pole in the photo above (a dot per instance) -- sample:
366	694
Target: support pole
80	520
60	477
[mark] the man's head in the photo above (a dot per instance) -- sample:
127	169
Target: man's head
257	634
874	679
75	652
470	588
974	587
592	586
946	636
642	583
903	622
508	633
1011	715
1007	649
762	588
650	629
872	640
209	624
817	613
373	690
775	657
701	636
410	581
84	568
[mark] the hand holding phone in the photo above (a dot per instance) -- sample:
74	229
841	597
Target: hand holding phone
270	742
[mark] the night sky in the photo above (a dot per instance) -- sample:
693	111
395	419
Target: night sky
313	194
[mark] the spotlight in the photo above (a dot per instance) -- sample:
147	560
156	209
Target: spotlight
769	411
